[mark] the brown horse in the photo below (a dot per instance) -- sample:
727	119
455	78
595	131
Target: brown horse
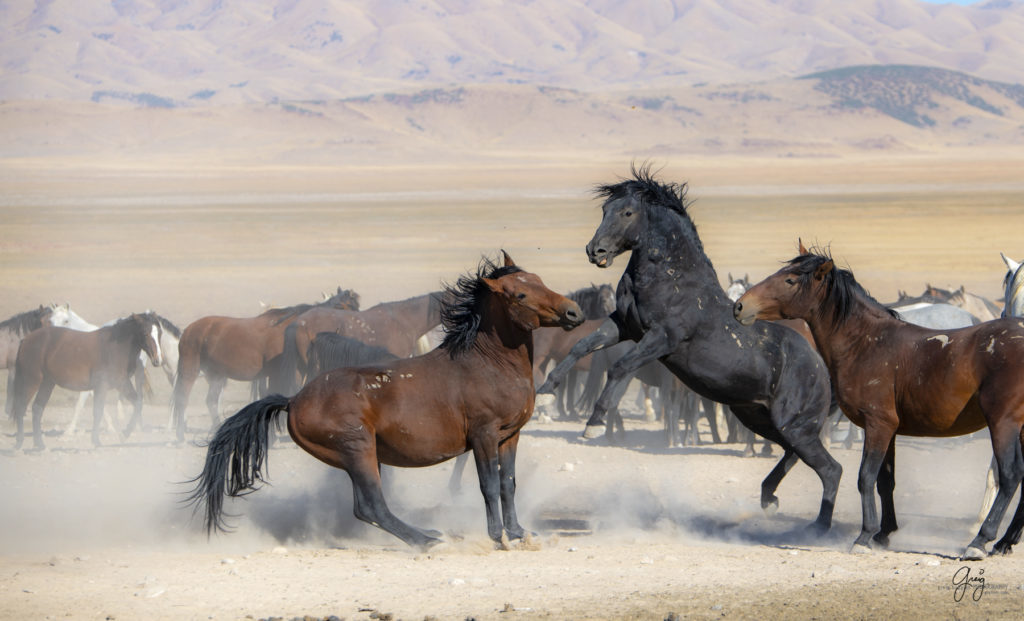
395	326
474	392
243	349
96	361
893	377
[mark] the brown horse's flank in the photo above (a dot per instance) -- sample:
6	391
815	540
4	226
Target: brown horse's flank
894	378
475	392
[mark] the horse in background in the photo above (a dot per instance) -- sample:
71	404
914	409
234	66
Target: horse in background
12	331
97	361
395	326
242	349
330	351
892	377
169	337
473	393
1013	288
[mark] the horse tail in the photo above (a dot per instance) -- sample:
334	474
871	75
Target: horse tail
283	378
235	459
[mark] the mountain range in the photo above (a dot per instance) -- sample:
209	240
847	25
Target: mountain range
311	78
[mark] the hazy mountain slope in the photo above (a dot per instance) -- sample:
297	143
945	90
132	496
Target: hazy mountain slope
231	51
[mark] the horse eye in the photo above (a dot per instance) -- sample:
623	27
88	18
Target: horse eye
628	213
520	296
790	281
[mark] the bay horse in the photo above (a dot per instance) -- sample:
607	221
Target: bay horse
98	361
395	326
242	349
893	377
12	331
474	392
671	304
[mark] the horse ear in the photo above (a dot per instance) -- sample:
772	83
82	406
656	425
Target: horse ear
1011	265
746	278
800	243
823	269
730	278
508	260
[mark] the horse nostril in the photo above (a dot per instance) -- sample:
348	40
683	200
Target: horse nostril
572	314
738	307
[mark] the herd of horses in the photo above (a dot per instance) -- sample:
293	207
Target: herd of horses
358	388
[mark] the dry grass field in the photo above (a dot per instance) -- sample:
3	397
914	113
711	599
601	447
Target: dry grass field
96	533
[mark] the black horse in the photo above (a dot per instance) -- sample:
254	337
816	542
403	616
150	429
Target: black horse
670	302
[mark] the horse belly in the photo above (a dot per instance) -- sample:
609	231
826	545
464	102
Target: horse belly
941	419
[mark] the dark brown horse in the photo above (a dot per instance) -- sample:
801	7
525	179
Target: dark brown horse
96	361
474	392
395	326
243	349
893	377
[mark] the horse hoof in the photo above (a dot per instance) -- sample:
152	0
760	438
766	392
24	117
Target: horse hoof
860	548
974	553
771	507
543	400
593	431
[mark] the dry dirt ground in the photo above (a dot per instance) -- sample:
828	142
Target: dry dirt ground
633	531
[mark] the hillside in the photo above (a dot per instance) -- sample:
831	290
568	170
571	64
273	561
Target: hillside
202	52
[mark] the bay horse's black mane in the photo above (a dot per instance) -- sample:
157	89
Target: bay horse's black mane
461	307
841	288
23	323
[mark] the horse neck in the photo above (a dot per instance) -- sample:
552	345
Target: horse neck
670	247
126	332
501	342
838	340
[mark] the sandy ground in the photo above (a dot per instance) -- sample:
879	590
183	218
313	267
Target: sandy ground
636	531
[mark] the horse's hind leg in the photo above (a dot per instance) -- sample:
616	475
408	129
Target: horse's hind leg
1008	448
213	398
42	396
369	505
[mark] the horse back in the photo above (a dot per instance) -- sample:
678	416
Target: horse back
69	357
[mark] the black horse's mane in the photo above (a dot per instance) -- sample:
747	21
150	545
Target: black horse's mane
841	288
650	191
23	323
461	307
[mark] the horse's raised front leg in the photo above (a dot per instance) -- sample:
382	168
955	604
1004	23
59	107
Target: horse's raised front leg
652	346
607	334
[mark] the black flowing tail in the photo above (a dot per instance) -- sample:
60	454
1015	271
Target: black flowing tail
235	459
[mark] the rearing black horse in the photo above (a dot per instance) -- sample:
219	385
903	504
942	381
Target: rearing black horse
669	301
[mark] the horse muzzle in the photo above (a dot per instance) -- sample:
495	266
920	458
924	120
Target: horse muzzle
599	256
745	313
